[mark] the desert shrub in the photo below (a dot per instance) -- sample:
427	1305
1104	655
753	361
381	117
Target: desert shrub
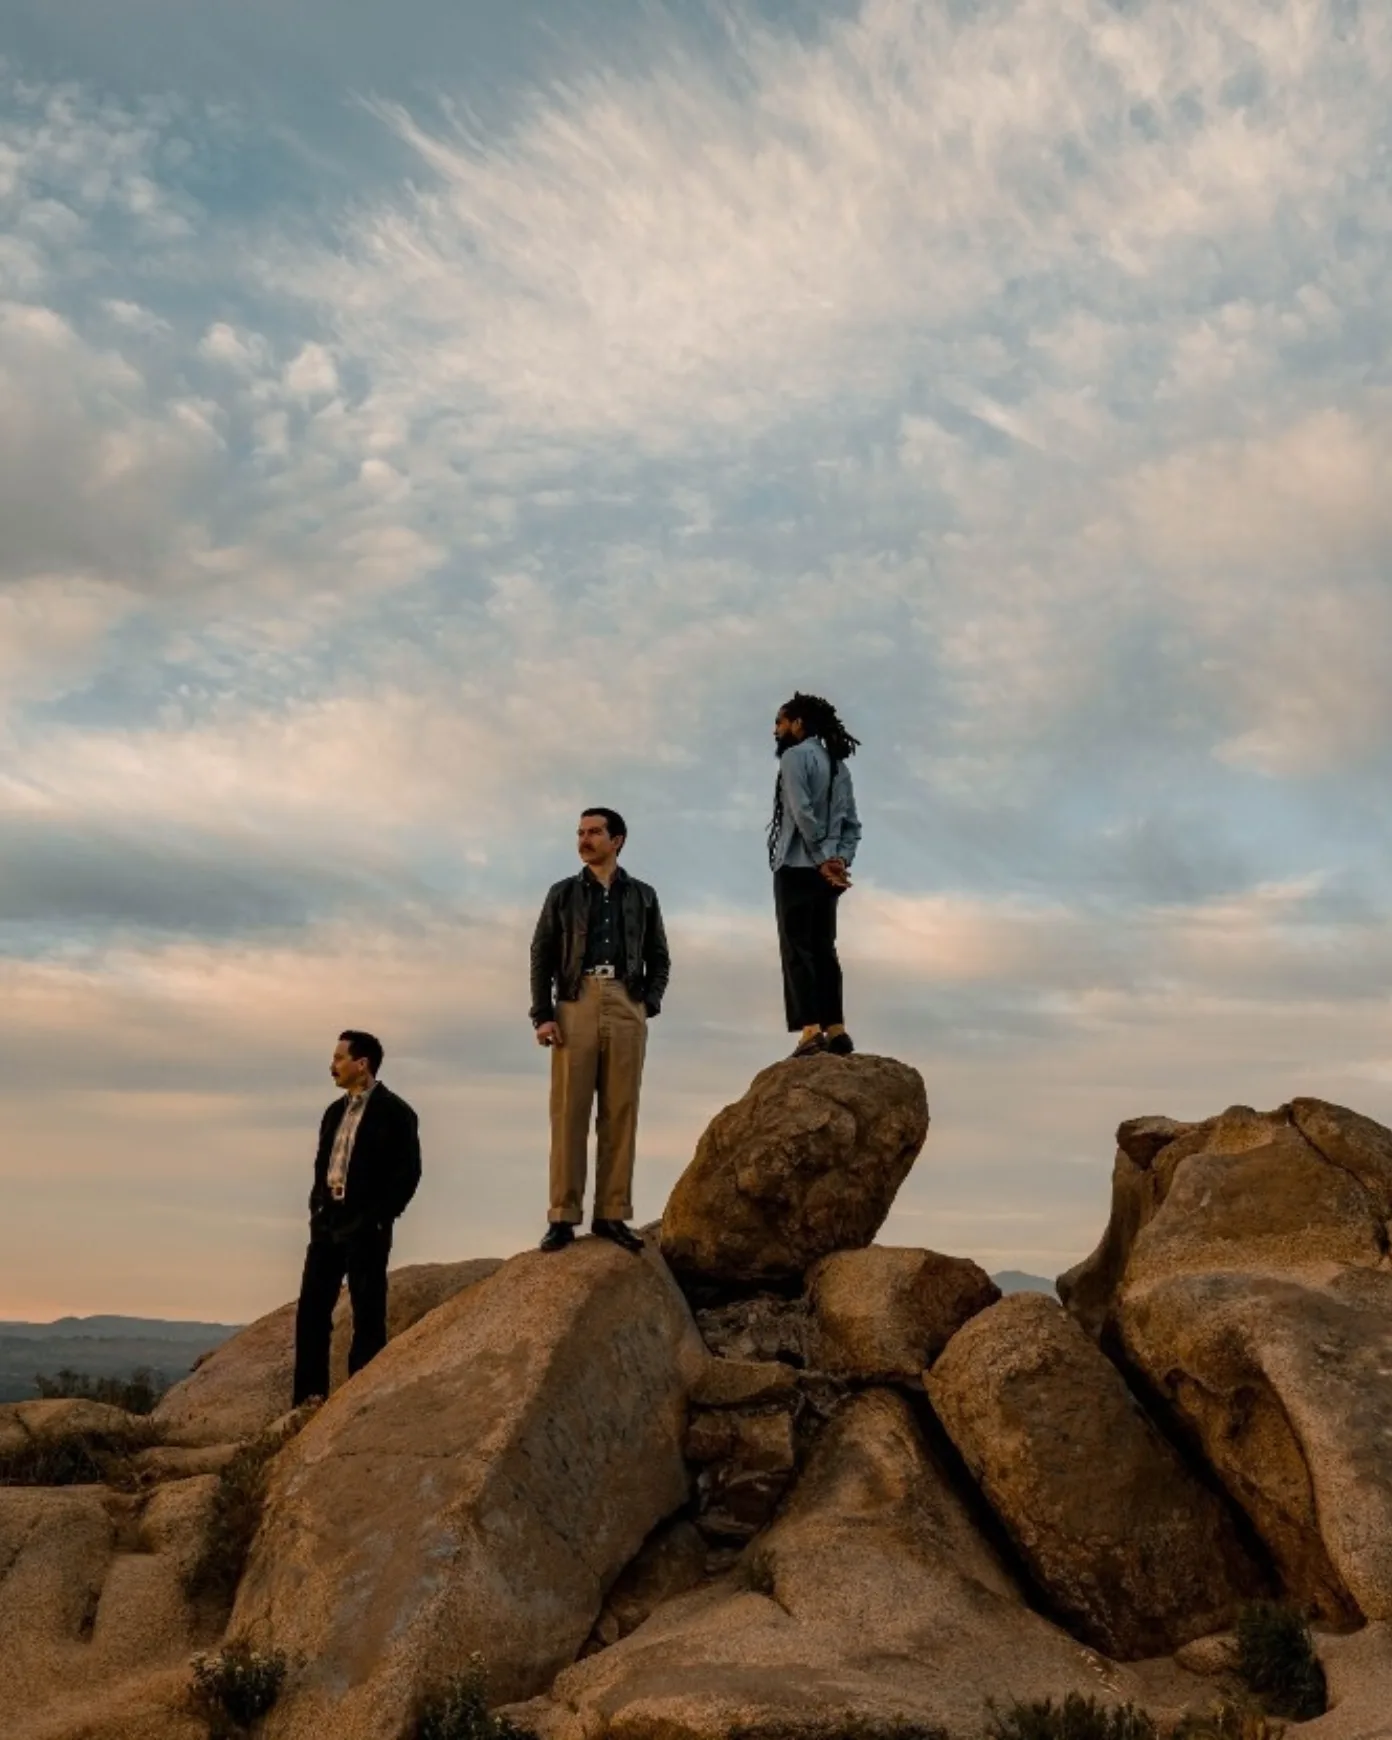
847	1725
1277	1663
1076	1718
137	1394
233	1519
458	1710
233	1689
1230	1721
75	1459
896	1728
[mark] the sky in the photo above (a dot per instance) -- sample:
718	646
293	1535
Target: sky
419	422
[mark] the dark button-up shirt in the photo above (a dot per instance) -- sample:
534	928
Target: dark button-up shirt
604	939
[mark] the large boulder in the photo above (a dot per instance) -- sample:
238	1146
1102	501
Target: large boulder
149	1706
1134	1554
1245	1276
807	1163
245	1385
68	1442
478	1487
92	1598
884	1314
871	1603
670	1562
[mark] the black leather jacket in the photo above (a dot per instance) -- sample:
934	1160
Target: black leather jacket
558	945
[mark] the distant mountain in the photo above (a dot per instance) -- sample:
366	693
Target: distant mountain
1016	1281
101	1347
176	1329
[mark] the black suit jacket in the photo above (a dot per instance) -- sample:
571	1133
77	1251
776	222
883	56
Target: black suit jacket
382	1174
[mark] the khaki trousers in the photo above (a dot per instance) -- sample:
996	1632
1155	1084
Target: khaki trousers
606	1034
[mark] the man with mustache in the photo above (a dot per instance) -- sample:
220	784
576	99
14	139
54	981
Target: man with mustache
599	972
366	1170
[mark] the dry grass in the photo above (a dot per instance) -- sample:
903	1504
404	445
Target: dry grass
235	1517
77	1458
1276	1661
458	1710
235	1688
1076	1718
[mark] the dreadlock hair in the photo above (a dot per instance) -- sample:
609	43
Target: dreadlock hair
819	719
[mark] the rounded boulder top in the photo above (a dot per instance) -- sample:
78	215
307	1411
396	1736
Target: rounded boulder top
808	1162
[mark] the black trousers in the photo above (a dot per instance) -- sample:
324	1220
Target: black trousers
362	1261
805	904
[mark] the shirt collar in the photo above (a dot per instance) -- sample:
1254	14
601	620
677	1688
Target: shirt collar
588	877
360	1100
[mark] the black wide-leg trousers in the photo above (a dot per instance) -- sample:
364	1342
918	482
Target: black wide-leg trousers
361	1260
805	905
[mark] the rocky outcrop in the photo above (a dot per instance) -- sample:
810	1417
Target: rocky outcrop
649	1539
244	1386
92	1596
1245	1276
1133	1553
671	1562
1090	1288
147	1706
807	1163
884	1314
764	1328
746	1460
29	1426
739	1383
480	1486
871	1602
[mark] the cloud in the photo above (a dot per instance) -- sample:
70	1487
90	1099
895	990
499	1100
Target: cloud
716	242
204	1066
64	882
91	472
1002	372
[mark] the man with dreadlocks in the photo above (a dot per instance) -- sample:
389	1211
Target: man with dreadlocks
812	841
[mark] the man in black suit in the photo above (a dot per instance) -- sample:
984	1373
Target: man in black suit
366	1171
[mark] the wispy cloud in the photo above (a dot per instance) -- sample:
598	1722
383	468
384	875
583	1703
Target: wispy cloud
1015	374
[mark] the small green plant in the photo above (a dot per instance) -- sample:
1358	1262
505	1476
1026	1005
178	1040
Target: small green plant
756	1573
458	1710
1277	1663
76	1459
137	1394
233	1519
1229	1721
895	1728
1076	1718
233	1689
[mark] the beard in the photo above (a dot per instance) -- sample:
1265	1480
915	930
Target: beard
781	745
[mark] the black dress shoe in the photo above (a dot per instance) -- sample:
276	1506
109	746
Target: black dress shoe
617	1233
809	1047
559	1234
841	1046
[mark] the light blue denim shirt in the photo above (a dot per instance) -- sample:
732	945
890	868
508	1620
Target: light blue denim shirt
819	812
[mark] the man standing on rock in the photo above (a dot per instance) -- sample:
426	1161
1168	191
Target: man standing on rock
599	971
365	1172
812	842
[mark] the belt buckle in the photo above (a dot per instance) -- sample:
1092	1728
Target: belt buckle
599	973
